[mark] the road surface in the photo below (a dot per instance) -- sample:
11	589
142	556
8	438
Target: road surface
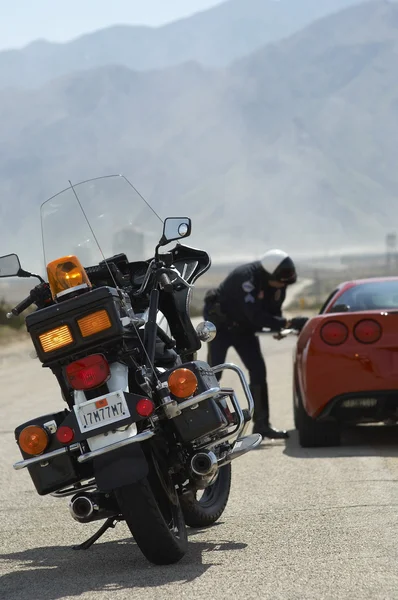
300	524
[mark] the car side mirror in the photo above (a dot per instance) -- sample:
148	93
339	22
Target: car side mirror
175	228
10	266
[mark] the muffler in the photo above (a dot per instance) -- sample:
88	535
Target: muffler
86	507
204	464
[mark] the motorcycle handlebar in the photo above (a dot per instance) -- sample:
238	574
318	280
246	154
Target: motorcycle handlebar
41	295
17	310
165	282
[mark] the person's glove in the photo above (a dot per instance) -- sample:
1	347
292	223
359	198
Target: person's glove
298	323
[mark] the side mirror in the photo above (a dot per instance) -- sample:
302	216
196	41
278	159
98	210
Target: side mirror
10	266
175	228
206	331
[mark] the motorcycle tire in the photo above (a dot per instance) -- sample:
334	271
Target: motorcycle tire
155	518
209	508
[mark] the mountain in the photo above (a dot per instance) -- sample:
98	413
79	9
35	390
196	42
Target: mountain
213	38
292	146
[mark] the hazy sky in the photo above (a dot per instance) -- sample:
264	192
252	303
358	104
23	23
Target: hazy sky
22	21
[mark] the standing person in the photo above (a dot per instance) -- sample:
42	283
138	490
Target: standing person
248	300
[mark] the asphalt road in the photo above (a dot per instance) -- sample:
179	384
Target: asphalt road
300	524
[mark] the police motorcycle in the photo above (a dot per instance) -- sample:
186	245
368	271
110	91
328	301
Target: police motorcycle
147	435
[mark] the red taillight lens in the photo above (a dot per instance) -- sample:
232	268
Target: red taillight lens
88	373
65	435
367	331
145	407
334	333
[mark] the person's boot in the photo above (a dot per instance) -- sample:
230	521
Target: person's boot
268	431
261	415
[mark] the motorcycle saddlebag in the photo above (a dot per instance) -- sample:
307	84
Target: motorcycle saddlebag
204	418
59	472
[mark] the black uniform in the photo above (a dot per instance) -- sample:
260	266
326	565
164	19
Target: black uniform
244	304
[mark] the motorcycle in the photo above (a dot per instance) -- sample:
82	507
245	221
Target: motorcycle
147	428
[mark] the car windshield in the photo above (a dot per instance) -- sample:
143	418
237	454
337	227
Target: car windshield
370	296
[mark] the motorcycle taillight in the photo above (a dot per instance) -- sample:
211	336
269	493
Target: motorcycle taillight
88	373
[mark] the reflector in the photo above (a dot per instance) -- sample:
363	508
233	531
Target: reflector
65	435
145	407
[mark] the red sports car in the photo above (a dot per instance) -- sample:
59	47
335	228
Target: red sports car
346	362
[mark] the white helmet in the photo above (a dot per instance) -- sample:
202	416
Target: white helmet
279	266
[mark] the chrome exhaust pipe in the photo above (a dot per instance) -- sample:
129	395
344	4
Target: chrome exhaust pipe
82	508
204	464
86	507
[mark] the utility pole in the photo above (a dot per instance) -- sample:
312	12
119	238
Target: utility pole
317	286
391	251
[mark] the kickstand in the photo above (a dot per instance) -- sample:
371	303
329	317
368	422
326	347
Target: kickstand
111	522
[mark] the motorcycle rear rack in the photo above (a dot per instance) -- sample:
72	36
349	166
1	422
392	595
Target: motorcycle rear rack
244	384
149	433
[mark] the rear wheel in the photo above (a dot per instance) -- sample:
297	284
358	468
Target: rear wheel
295	409
205	511
154	516
312	433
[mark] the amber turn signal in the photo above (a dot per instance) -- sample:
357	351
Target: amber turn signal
33	440
94	323
65	274
182	383
56	338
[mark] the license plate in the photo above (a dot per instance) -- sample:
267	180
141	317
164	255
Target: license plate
101	411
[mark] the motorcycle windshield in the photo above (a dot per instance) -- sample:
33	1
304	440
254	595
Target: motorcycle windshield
98	218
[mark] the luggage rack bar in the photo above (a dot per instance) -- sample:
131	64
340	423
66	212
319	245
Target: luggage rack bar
45	457
245	386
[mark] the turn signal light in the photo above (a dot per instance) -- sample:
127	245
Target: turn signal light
56	338
145	407
94	323
334	333
88	373
33	440
367	331
183	383
65	274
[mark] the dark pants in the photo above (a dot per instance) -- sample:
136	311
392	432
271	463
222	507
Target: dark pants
247	345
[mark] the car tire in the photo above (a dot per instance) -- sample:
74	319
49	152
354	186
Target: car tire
295	409
312	433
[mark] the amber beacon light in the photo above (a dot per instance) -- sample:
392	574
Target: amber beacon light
66	274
